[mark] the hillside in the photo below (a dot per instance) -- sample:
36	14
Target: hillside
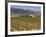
25	23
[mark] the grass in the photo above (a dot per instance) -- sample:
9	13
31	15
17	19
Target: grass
25	23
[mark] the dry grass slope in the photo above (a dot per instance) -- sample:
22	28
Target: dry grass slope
25	23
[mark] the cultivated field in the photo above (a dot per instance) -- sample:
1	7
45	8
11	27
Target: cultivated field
25	23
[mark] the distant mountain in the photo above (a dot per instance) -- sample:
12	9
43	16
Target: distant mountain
16	11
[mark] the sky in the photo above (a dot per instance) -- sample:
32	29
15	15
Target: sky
35	8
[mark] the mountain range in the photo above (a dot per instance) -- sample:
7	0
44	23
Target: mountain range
17	11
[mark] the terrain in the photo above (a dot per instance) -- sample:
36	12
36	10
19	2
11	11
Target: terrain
25	19
25	23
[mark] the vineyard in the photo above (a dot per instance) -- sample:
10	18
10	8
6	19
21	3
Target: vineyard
25	23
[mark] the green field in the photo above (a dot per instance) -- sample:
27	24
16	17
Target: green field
25	23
